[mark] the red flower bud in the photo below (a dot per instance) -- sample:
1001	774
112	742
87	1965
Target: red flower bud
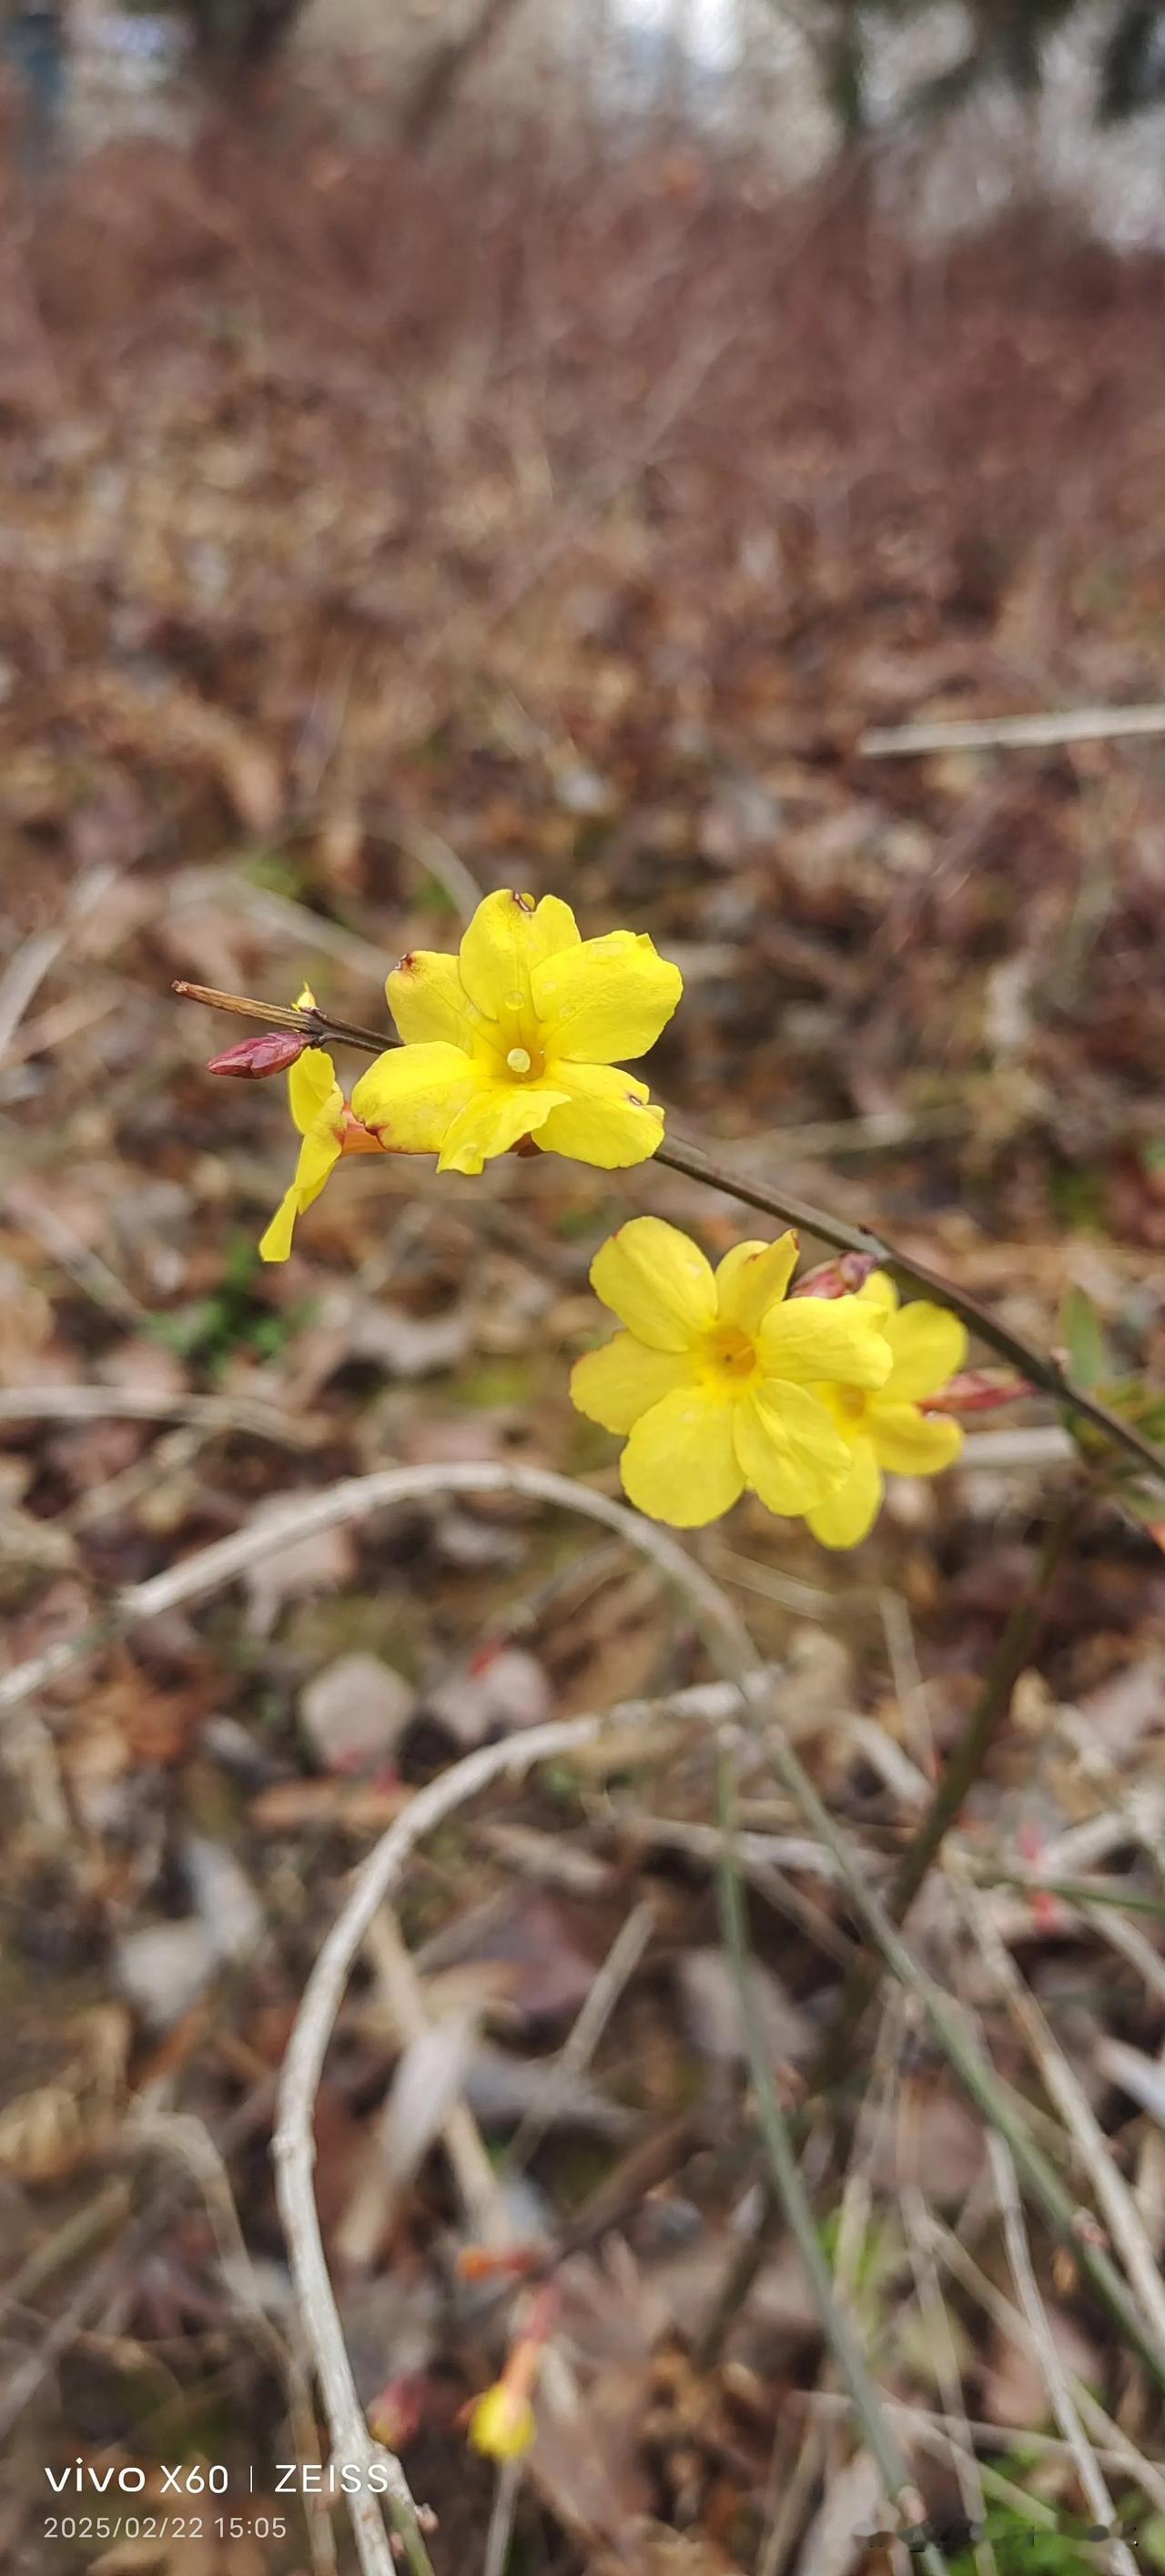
498	2262
841	1277
397	2414
978	1391
254	1058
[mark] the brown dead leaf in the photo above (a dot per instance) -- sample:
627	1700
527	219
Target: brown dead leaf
936	2141
49	2133
501	1691
296	1571
585	2462
1015	2386
650	2549
548	1974
853	2502
59	2128
712	2014
302	1806
173	724
26	1323
355	1711
1123	1709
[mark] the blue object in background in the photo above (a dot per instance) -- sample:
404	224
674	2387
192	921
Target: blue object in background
32	41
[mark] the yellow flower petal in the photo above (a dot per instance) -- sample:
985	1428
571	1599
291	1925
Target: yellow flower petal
606	1116
428	999
679	1464
812	1338
605	1000
616	1385
789	1448
507	938
502	2423
318	1156
657	1282
927	1346
412	1094
910	1443
275	1244
311	1084
879	1290
848	1515
753	1277
492	1120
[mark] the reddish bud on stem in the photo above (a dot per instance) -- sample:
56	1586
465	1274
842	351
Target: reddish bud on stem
978	1391
841	1277
499	2263
254	1058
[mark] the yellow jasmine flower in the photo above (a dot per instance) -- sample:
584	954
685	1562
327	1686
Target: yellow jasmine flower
330	1126
519	1035
502	2422
885	1428
716	1380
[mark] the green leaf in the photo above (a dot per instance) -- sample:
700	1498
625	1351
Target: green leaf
1151	2540
1084	1335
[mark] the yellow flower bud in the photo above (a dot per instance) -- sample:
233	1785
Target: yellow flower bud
502	2423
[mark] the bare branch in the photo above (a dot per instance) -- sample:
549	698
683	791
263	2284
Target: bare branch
1012	733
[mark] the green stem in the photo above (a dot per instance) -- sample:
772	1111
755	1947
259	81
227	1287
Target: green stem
990	1714
1075	1891
1033	1364
977	2075
877	2432
962	1771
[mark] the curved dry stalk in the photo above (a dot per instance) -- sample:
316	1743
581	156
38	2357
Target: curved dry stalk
357	1496
181	2135
305	1515
294	2145
145	1404
303	2066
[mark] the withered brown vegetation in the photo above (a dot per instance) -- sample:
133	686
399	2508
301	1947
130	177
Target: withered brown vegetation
375	532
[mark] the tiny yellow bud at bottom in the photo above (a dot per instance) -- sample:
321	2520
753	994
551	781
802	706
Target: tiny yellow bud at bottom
502	2423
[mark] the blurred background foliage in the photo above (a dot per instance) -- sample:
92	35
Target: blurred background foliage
1003	41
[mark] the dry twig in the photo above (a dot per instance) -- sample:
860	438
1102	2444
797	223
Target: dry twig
1088	2468
1012	733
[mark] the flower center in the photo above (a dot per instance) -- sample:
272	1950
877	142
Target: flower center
850	1402
519	1057
356	1138
732	1354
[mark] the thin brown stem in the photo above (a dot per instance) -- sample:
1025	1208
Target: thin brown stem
1036	1365
305	1019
